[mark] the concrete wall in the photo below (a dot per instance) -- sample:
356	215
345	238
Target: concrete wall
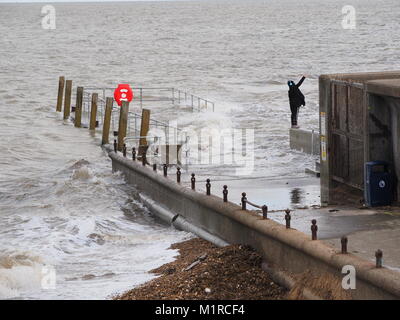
287	250
329	187
304	140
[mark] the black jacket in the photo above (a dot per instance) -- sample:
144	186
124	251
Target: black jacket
296	97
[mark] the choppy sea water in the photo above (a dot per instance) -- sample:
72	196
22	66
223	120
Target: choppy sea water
79	217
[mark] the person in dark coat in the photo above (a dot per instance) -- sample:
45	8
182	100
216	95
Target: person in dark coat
296	99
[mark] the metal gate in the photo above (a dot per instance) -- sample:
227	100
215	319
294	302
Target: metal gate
347	134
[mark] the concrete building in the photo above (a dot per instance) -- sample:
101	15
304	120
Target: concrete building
359	122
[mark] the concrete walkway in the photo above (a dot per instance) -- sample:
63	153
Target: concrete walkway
376	230
367	229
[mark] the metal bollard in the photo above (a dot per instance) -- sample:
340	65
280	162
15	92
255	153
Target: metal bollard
208	187
124	150
244	199
193	181
344	242
378	256
225	193
265	211
154	166
314	229
144	158
115	146
133	154
288	217
165	169
178	175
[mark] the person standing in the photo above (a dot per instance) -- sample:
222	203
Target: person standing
296	99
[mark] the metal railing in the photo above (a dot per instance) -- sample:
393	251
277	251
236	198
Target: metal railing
245	201
190	100
134	119
144	95
161	131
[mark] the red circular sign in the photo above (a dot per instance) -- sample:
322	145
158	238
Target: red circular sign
123	93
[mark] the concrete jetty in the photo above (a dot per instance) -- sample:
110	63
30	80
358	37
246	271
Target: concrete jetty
286	250
305	241
306	141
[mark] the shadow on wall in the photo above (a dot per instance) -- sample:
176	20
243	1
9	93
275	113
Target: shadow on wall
384	130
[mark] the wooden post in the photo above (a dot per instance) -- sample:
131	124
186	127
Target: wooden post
123	124
67	100
78	107
107	120
144	129
93	112
61	82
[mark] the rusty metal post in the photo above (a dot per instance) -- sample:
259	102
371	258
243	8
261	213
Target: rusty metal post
225	193
133	153
208	187
244	200
265	211
314	229
287	218
379	256
124	150
344	242
193	181
165	168
115	146
178	175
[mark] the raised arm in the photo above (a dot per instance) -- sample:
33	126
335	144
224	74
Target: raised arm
300	82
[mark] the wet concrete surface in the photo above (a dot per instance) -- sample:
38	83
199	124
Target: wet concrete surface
276	193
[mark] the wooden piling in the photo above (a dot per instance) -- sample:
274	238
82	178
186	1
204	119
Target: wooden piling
61	83
93	112
144	129
123	124
107	120
67	99
78	107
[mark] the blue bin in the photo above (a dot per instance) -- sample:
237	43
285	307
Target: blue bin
378	189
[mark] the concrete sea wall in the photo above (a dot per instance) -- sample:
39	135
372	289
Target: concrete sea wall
305	141
286	251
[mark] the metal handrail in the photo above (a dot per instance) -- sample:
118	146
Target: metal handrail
254	205
176	95
264	207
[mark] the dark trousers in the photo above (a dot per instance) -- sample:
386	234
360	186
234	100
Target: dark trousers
295	110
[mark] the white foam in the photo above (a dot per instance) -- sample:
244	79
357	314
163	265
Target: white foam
19	273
